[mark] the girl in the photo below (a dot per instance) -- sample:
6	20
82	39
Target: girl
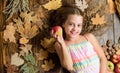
77	53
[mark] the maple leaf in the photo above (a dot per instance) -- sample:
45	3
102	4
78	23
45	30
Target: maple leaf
48	65
53	4
26	49
27	30
42	55
46	43
29	17
81	4
9	33
98	20
16	60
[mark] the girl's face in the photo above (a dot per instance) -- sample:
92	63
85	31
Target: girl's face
73	25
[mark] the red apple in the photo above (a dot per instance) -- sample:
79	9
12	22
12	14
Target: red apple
57	30
117	68
115	58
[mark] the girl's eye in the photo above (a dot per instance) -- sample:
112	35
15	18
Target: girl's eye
79	25
71	24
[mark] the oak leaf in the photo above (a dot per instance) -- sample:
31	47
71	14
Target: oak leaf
81	4
27	30
16	60
48	65
26	49
98	20
46	43
29	17
53	4
9	33
42	55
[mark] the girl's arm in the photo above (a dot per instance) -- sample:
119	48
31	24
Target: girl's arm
99	51
64	56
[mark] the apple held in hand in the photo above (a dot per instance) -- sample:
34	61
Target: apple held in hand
117	68
110	66
57	30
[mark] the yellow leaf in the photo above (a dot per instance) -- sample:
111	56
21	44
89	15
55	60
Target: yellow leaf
53	4
16	60
98	20
23	40
9	33
29	17
48	65
110	6
42	55
46	43
27	30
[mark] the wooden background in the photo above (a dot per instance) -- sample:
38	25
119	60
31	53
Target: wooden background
112	33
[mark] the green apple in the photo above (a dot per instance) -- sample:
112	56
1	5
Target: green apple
110	65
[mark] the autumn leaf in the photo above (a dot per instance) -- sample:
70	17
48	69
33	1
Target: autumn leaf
16	60
98	20
81	4
46	43
53	4
51	49
29	17
23	40
48	65
9	33
42	55
26	49
110	6
27	30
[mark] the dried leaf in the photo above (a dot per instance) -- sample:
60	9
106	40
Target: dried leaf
29	17
110	6
51	49
9	33
53	4
23	40
27	30
98	20
16	60
18	21
26	49
46	43
48	65
81	4
42	55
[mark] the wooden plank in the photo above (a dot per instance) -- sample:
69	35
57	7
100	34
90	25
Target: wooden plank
116	28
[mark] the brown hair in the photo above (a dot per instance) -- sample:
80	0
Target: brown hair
59	16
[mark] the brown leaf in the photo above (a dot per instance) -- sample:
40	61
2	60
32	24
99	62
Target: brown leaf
98	20
48	65
26	49
9	33
42	55
27	30
53	4
29	17
46	43
110	6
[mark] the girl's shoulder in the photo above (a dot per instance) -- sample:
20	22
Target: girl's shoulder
90	36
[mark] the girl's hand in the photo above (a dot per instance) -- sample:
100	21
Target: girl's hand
56	32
